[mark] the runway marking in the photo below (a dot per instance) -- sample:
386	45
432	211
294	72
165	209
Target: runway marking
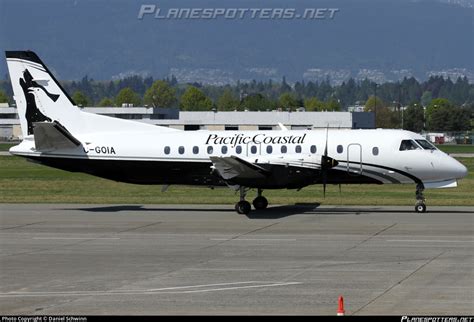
430	241
252	239
165	290
203	285
72	238
244	287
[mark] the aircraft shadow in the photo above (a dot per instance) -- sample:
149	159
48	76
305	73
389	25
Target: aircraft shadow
274	212
313	209
118	208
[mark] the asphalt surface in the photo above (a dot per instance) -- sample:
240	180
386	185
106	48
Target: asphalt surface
192	259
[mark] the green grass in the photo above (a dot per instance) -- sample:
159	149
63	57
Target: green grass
25	182
456	148
6	146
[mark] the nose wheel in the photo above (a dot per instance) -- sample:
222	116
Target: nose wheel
420	205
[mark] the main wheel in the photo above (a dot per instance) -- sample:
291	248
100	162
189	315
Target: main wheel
243	207
260	202
420	207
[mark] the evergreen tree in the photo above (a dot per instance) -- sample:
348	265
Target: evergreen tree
413	118
227	101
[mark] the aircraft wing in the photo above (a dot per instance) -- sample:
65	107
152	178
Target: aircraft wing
53	136
235	167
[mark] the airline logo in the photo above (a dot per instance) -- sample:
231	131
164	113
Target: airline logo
240	138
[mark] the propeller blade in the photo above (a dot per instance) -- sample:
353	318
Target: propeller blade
326	145
326	163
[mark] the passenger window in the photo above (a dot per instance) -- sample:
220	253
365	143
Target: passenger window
181	150
313	149
375	150
408	145
269	149
238	149
224	149
210	149
253	149
195	150
340	149
298	149
283	149
167	150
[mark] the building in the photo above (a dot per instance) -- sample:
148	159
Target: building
212	120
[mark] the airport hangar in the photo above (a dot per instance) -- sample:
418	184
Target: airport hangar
212	120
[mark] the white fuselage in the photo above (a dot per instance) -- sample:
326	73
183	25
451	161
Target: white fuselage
372	153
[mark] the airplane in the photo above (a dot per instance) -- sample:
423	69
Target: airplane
57	133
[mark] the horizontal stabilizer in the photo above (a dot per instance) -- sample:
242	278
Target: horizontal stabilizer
53	136
235	167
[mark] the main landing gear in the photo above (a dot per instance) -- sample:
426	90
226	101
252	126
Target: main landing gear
243	207
420	205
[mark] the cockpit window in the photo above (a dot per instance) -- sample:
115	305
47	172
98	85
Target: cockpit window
408	145
426	145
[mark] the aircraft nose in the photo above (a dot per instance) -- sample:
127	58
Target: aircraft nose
458	169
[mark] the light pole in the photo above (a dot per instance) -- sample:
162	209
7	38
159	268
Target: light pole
375	104
402	116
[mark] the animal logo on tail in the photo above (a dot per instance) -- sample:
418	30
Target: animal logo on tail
33	114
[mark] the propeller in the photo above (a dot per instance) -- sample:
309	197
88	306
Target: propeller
326	163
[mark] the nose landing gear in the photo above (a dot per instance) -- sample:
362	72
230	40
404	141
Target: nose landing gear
420	205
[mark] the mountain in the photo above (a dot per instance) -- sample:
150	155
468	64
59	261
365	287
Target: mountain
103	39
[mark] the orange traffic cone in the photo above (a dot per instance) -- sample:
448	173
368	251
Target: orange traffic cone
340	310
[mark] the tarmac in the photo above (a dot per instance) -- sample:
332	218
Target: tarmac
207	260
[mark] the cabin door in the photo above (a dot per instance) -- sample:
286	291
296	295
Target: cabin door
354	159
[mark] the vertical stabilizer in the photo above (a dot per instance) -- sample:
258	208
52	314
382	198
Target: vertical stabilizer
38	95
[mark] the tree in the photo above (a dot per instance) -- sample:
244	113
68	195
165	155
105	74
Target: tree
437	114
256	102
413	118
160	94
227	101
106	102
426	98
127	96
287	100
333	105
386	118
313	104
373	103
3	97
80	99
194	99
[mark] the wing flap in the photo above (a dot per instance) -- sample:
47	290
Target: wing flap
235	167
53	136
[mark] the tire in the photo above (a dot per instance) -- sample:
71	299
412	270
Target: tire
420	207
243	207
260	203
